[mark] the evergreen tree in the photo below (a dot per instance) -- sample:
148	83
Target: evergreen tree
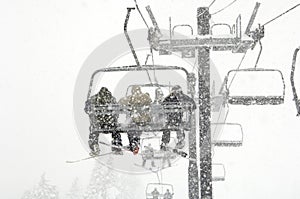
105	183
42	191
75	191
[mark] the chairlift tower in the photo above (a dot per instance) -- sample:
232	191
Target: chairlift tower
201	45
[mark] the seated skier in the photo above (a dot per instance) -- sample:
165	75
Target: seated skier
155	193
157	110
139	115
106	121
159	96
148	155
176	97
168	195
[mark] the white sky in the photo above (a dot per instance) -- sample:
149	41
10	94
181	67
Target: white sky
43	46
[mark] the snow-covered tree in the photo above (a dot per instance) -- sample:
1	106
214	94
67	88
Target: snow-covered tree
74	191
106	183
42	191
101	180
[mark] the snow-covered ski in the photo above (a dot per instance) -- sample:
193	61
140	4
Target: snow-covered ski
123	148
87	158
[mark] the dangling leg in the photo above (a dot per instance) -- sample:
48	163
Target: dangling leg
180	139
134	141
144	162
152	162
165	139
169	161
93	143
116	142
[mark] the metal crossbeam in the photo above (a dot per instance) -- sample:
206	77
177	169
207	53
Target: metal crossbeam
224	43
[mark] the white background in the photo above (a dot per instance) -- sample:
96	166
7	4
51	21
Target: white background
43	44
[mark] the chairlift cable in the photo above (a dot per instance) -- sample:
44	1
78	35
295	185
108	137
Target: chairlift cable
157	176
161	175
281	14
240	64
195	62
226	115
258	57
219	116
137	7
224	7
154	73
88	158
147	69
208	7
219	119
212	3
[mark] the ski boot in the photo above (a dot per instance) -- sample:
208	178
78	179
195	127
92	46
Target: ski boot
163	146
153	164
134	147
180	140
95	150
116	148
180	144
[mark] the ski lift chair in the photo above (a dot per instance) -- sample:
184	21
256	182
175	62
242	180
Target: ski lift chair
161	188
155	142
166	44
231	136
93	110
219	172
296	99
255	99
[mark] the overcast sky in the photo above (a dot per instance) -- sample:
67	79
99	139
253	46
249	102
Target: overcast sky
44	45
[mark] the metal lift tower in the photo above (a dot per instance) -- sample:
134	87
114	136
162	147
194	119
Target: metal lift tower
201	45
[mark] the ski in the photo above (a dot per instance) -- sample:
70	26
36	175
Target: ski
123	148
90	157
183	154
150	169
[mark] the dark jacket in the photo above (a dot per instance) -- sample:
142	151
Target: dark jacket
105	120
177	98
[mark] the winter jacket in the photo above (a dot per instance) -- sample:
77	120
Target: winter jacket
99	118
177	98
139	103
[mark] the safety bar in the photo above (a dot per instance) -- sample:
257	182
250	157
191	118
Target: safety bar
229	143
216	169
150	85
255	100
220	24
132	68
182	25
